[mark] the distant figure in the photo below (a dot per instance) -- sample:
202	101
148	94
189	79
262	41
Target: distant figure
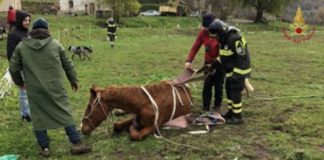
112	29
3	33
11	17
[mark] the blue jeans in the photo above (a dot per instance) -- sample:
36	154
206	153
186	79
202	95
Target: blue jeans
23	102
71	132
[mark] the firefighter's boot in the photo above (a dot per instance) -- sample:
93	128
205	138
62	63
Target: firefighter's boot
235	119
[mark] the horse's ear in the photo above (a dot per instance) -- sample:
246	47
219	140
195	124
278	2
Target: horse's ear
93	90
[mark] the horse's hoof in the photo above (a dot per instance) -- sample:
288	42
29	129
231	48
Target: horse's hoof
134	136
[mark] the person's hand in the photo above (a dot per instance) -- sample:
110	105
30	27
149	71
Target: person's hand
75	87
188	65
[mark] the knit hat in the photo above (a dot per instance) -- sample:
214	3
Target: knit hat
207	19
40	23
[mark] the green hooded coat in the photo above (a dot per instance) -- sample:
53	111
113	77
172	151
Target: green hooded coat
43	62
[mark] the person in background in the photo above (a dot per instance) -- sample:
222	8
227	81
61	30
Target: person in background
111	29
44	64
11	17
235	58
16	34
216	79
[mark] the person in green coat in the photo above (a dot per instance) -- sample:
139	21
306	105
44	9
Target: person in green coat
44	64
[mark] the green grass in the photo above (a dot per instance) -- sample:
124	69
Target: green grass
288	128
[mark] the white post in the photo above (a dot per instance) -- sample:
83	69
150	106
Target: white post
89	32
58	35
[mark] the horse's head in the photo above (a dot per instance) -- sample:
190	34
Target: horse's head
97	110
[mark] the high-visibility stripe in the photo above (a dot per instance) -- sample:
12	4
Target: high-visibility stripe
229	74
229	103
237	105
238	42
242	71
243	41
237	110
224	52
111	25
239	46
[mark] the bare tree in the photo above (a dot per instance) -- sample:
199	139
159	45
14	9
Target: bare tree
123	7
222	8
261	6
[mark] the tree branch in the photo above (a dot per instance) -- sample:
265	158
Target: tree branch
266	4
250	3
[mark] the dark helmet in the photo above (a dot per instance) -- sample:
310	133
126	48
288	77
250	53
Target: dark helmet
207	19
217	27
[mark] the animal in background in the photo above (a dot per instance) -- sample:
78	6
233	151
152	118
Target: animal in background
81	51
3	33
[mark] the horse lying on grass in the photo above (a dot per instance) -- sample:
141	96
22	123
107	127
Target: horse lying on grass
150	113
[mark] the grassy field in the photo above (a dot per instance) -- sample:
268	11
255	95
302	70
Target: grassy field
283	117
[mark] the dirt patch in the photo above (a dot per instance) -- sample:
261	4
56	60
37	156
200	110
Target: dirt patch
279	121
262	152
119	155
321	148
283	116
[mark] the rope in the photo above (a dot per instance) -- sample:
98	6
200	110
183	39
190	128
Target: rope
178	94
185	90
95	102
283	97
156	112
174	91
183	145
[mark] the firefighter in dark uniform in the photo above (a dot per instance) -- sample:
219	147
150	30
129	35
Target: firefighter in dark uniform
112	29
235	58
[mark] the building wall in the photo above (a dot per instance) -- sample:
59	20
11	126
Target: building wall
4	5
78	5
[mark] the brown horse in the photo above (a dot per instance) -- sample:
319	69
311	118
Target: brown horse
135	100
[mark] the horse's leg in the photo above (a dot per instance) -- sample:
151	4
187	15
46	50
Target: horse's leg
146	122
84	56
121	125
87	55
80	56
139	135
